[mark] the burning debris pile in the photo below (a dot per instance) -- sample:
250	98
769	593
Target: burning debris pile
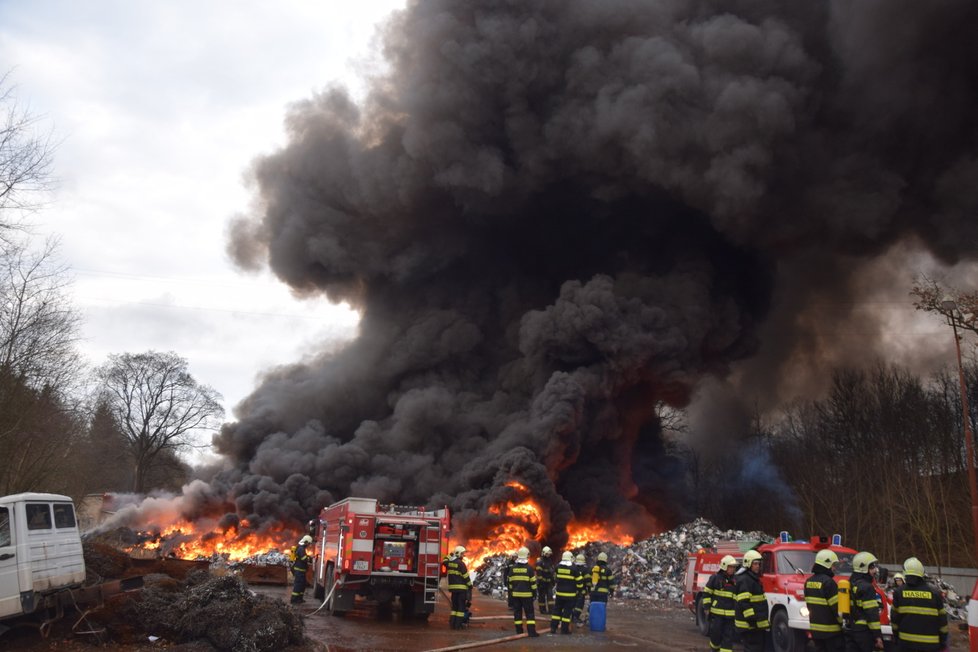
651	569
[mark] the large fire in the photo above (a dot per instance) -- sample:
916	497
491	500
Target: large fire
527	522
186	540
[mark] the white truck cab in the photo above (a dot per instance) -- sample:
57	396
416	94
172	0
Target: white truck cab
40	551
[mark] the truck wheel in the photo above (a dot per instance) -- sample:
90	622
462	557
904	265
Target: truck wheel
702	620
785	638
330	581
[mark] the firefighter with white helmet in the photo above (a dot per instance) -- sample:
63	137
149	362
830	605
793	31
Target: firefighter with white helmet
602	580
523	586
918	616
751	618
567	586
864	632
300	565
719	602
545	579
580	567
822	599
460	587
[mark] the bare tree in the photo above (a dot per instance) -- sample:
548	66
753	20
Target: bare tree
158	405
25	161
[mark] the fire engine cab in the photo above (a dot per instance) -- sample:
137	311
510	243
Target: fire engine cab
379	552
785	565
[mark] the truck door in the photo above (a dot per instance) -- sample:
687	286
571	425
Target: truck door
9	588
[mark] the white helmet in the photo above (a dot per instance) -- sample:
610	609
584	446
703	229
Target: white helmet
567	556
579	559
523	553
459	551
602	556
306	540
546	552
728	561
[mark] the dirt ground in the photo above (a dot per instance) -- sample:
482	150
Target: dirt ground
632	624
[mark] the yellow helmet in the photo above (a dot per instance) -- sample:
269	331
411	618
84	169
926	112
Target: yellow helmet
567	556
862	561
826	558
750	557
523	553
913	567
602	556
728	561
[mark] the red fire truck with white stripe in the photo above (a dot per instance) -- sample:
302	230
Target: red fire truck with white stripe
785	565
379	552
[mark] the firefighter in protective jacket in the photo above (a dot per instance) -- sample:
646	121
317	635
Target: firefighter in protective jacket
751	611
822	598
720	601
580	568
567	586
460	587
299	568
545	579
523	587
863	631
919	619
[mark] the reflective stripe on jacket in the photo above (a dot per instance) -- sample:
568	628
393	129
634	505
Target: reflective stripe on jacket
602	579
918	616
568	583
864	603
721	595
522	580
751	602
822	598
458	576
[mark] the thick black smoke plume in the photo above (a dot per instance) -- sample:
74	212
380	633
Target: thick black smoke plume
557	215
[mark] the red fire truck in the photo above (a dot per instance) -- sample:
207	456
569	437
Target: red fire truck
785	565
379	552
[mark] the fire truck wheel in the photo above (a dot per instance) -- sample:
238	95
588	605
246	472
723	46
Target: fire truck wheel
702	622
785	638
318	590
331	604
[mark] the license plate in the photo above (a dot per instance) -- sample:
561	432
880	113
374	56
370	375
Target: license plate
360	565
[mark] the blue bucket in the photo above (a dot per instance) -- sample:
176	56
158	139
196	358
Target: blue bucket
596	616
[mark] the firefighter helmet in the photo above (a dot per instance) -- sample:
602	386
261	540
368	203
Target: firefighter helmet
913	567
306	540
602	556
579	559
546	552
523	553
898	576
862	561
728	561
750	557
567	556
459	550
826	558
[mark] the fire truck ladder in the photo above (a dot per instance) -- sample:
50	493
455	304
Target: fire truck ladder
432	571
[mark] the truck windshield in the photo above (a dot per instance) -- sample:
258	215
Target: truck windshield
801	562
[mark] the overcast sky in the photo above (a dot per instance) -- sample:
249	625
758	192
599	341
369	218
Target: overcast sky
159	108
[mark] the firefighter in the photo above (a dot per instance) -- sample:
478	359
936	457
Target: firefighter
863	632
545	579
898	581
750	616
460	587
822	598
918	616
567	586
603	581
299	568
522	584
720	603
580	567
507	569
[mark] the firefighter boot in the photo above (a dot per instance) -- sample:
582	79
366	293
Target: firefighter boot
519	628
532	631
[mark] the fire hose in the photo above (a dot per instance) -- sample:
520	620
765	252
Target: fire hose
328	596
466	646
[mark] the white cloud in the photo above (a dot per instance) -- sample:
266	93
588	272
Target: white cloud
160	107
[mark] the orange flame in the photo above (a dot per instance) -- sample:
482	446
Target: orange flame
186	540
580	534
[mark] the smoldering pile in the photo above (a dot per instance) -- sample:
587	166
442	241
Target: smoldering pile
652	569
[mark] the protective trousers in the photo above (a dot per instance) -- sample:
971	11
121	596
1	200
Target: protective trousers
834	644
545	595
578	609
860	640
458	609
721	633
753	639
524	607
562	612
298	586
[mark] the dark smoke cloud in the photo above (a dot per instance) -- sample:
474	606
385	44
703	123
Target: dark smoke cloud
555	215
